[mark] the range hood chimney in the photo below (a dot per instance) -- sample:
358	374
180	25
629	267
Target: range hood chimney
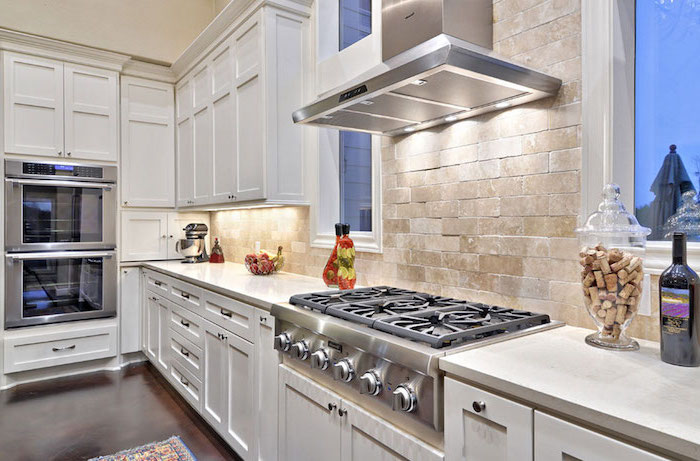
438	68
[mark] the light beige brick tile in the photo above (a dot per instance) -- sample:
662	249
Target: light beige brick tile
565	204
532	205
501	226
443	209
442	276
525	165
396	225
459	155
426	258
399	195
565	292
524	246
459	226
409	210
461	261
523	287
564	116
442	243
546	141
499	148
499	264
500	187
480	170
565	160
561	226
426	226
554	183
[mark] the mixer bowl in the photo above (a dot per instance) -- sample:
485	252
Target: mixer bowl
190	248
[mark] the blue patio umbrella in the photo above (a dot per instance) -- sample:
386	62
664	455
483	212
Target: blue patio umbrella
670	184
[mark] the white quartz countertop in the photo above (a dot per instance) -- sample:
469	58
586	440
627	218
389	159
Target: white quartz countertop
234	280
630	393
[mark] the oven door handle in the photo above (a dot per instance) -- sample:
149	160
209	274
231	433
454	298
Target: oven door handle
58	255
54	183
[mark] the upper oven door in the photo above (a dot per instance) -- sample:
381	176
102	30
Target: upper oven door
47	215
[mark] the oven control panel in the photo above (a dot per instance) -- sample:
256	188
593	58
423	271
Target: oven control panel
391	385
58	169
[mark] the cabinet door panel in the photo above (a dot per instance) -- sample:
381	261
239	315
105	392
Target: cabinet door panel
90	113
214	406
144	235
501	431
33	105
202	156
152	328
185	162
268	364
366	436
557	440
250	166
241	396
309	430
147	143
224	149
130	310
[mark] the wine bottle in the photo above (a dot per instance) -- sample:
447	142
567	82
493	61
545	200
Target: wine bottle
679	309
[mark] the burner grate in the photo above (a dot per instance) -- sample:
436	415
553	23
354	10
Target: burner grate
368	312
472	321
320	301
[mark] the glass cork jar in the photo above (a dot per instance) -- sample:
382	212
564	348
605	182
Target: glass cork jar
613	246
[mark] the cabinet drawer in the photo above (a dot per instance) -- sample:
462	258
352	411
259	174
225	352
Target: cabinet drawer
41	349
158	284
186	384
232	315
185	352
186	295
187	324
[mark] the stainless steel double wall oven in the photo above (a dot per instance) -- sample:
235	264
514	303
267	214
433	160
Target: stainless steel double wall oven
60	241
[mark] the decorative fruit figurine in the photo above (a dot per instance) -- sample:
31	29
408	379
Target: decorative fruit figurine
346	261
217	254
330	272
263	264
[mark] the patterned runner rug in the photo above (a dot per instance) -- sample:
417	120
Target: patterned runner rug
173	449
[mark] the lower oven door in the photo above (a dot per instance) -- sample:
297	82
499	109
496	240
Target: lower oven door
60	286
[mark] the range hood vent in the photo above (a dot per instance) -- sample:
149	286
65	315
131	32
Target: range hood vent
440	80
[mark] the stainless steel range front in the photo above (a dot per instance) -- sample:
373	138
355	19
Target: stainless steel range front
380	346
60	240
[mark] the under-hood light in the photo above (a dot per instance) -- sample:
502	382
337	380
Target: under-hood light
419	82
502	105
451	118
410	129
367	103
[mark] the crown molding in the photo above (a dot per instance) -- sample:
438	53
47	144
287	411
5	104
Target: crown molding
20	42
235	13
143	69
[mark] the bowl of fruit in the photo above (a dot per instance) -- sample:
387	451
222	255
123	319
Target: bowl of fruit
264	262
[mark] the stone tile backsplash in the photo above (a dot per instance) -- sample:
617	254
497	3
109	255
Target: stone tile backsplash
482	209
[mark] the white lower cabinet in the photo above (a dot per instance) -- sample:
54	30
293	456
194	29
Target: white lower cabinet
480	425
557	440
156	330
316	424
266	361
129	310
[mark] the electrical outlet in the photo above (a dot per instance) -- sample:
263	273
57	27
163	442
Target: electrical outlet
645	303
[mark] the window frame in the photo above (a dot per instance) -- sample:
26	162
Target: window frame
335	68
608	136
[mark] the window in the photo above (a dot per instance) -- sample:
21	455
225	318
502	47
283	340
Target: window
349	187
667	93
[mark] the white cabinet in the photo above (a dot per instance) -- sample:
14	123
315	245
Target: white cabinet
236	141
214	382
480	425
91	106
557	440
148	144
129	309
156	330
33	113
267	363
316	424
151	235
59	110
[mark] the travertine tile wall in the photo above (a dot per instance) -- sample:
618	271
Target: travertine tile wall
483	209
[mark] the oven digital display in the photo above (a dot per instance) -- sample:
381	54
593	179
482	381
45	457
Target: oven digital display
63	167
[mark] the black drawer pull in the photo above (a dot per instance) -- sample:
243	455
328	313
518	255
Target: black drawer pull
63	348
226	313
184	352
185	295
157	283
184	382
184	324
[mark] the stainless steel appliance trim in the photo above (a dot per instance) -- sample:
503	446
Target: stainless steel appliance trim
14	207
418	357
13	168
60	183
58	255
13	289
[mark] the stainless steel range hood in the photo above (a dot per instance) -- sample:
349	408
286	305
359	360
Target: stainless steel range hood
440	80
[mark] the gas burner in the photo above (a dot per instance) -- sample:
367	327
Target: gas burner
471	321
368	312
322	300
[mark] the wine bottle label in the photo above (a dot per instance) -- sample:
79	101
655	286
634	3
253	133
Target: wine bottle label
675	310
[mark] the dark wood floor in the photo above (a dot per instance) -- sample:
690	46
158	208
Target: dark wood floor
76	418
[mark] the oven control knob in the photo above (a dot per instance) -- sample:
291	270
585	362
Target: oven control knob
343	371
370	383
301	350
319	359
404	399
283	342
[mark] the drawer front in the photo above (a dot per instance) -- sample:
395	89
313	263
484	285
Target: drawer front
185	352
186	384
187	324
52	349
158	284
232	315
186	295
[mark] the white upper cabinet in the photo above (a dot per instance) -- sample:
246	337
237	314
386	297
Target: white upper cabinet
33	105
236	138
148	145
91	107
54	109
